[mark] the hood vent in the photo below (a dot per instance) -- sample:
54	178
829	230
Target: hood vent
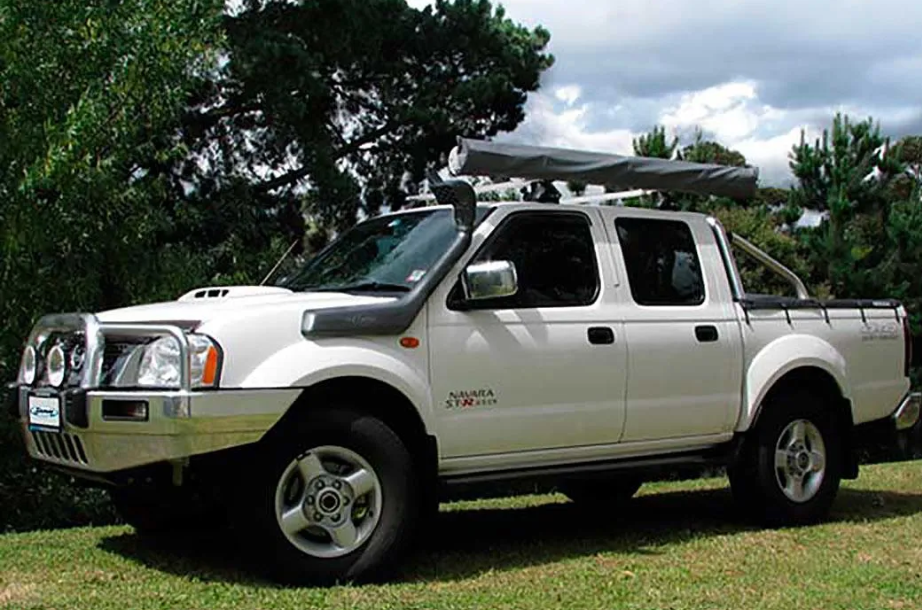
211	293
230	292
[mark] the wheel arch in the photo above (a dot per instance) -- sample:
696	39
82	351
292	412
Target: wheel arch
793	359
374	397
823	381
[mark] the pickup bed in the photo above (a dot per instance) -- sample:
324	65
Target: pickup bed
455	345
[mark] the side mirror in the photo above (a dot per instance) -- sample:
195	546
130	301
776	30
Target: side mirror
490	280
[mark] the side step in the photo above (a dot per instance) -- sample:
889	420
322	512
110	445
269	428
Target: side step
543	479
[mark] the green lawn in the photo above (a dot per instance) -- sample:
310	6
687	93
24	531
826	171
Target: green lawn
678	546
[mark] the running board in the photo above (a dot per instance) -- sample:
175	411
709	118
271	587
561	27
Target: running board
649	466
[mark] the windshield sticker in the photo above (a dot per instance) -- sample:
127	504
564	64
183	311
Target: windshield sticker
466	399
416	275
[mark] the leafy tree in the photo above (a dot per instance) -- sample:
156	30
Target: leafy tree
909	152
708	151
89	93
342	98
576	187
847	174
655	144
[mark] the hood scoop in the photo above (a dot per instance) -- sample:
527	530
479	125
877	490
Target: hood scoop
212	293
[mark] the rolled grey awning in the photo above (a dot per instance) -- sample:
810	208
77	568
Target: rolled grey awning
481	158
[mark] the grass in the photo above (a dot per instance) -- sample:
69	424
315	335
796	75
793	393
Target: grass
679	545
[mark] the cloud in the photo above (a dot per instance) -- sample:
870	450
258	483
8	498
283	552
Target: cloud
749	74
558	118
568	94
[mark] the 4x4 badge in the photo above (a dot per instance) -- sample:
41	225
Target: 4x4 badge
465	399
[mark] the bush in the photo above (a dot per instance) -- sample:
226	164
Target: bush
33	496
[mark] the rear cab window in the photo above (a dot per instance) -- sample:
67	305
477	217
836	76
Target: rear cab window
663	267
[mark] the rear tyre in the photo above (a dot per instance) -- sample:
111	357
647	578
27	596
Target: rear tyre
601	493
335	501
789	470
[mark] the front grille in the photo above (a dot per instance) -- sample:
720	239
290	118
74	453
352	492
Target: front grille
59	446
115	355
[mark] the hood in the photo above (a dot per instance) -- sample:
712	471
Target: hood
206	304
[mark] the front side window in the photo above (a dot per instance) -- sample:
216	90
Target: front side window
661	260
554	258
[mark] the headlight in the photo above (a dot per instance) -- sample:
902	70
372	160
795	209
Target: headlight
160	363
28	367
55	366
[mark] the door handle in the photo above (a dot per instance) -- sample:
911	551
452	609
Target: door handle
706	334
601	335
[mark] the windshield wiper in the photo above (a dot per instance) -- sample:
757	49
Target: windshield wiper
363	287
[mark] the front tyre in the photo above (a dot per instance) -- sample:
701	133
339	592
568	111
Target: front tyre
789	471
336	501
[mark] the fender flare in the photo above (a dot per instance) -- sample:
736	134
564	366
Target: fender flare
782	356
303	365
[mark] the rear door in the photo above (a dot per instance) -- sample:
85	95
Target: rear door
685	354
544	368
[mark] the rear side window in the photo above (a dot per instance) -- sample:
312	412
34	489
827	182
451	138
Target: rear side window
662	261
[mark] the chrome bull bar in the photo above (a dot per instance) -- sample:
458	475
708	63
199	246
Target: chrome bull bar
95	333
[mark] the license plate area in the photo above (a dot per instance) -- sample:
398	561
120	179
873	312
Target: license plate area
44	413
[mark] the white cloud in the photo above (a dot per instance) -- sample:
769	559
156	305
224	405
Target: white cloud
568	94
567	128
729	111
770	155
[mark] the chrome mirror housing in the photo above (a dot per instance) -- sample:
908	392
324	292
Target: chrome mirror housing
490	280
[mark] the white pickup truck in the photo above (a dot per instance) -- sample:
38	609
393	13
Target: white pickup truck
464	343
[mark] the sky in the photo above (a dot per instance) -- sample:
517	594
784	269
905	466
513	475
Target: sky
751	74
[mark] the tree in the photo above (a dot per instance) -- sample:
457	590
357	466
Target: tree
909	152
708	151
90	92
847	174
341	98
654	144
576	187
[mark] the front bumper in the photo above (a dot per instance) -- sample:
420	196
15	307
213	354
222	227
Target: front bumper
179	424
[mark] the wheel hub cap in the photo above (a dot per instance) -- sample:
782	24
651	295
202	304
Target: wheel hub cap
328	501
800	460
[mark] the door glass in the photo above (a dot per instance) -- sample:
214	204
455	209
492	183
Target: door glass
661	260
554	258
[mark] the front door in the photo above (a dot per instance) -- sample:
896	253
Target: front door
544	368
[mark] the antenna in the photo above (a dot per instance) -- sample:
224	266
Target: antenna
280	261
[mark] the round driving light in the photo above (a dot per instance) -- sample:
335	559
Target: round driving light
56	366
28	365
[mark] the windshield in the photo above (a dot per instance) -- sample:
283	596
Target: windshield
386	254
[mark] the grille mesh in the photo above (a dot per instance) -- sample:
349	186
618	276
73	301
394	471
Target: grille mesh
60	446
115	352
